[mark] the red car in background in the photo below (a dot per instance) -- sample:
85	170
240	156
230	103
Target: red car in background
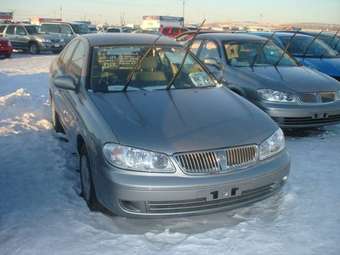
172	32
5	48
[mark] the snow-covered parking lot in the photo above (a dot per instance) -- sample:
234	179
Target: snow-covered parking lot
42	213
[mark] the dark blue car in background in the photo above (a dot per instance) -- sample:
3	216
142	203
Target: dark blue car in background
308	51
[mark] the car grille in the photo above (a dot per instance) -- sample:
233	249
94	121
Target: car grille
308	120
212	162
194	205
321	97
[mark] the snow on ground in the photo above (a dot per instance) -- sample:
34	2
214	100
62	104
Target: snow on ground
42	213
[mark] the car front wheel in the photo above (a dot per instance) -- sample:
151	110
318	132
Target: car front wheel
86	183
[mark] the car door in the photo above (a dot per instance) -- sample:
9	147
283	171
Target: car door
22	38
10	35
59	94
71	98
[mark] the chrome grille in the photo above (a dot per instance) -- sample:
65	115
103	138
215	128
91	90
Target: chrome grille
218	161
321	97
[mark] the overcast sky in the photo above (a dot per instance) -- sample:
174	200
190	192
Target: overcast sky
325	11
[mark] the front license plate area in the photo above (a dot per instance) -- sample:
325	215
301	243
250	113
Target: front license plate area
221	193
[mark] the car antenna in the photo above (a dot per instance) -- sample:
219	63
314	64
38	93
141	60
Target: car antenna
286	49
310	44
186	54
140	62
263	45
330	43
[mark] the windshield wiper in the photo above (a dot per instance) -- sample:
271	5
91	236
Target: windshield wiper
286	49
330	44
139	63
260	50
185	55
310	44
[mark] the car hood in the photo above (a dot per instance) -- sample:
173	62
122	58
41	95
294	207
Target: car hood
298	79
330	66
183	120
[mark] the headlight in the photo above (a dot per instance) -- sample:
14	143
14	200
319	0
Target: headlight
276	96
133	159
272	145
338	95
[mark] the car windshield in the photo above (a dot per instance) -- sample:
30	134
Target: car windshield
243	54
32	30
80	28
111	67
304	46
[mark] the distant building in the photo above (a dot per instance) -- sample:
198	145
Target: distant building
40	20
6	17
156	22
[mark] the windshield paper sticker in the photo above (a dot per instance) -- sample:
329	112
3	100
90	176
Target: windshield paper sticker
109	59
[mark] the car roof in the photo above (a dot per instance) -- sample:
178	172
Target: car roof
230	36
21	24
281	34
127	39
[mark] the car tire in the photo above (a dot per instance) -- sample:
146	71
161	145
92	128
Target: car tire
34	48
55	119
86	182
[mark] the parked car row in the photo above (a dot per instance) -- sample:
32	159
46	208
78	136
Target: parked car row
35	39
165	127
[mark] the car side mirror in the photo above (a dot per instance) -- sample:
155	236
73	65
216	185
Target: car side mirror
65	82
213	62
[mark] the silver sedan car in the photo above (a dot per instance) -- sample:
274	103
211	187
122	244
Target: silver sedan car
156	134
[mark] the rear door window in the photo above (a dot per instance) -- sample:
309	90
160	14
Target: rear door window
10	30
20	30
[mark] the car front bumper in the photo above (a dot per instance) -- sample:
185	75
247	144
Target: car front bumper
51	46
303	115
137	195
